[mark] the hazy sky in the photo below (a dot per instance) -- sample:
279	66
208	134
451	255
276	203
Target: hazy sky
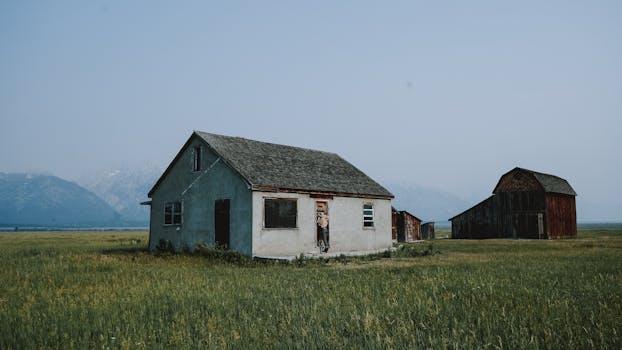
446	94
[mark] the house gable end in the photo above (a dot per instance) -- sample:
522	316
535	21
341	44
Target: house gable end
180	154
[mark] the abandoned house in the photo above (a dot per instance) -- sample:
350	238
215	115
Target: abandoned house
405	226
266	200
524	204
427	230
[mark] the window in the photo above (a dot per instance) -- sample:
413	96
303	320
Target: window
368	215
172	213
196	159
280	213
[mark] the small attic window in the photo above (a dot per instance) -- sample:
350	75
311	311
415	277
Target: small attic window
196	159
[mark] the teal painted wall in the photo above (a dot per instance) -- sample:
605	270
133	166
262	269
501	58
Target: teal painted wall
198	192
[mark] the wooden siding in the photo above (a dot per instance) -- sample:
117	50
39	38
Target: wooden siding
427	231
561	215
517	181
394	216
524	204
406	227
481	221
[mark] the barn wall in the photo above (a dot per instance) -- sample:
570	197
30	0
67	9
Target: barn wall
412	228
561	215
522	214
427	230
394	219
481	221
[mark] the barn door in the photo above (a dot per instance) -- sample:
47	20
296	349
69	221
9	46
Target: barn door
221	222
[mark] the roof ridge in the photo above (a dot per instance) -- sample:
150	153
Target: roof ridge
541	173
265	142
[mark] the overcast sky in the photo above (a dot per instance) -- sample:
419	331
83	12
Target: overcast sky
445	94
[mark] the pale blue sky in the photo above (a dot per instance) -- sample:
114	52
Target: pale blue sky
446	94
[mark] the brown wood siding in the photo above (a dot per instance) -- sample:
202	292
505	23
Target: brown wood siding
406	227
394	217
412	228
518	181
427	230
481	221
561	215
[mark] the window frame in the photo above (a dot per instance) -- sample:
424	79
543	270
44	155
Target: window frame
173	213
266	199
367	217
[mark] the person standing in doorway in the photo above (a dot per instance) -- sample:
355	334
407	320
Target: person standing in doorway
322	222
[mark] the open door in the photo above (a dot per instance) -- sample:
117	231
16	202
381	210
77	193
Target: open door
322	225
221	222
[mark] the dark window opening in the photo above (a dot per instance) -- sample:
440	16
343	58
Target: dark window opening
280	213
172	213
196	159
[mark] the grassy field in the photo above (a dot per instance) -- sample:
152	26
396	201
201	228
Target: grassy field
102	290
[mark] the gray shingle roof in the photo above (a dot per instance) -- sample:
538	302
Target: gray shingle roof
283	167
549	183
552	183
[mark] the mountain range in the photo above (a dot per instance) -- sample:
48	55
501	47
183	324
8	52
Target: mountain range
124	189
45	200
112	198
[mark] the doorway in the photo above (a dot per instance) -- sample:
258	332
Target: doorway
221	223
322	233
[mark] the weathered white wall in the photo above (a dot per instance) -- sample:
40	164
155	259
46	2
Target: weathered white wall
346	226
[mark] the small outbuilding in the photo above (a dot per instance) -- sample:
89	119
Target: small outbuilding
406	226
266	200
427	230
524	204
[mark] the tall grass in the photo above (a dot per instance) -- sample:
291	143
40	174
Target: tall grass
85	290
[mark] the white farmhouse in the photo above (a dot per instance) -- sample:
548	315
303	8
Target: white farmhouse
267	200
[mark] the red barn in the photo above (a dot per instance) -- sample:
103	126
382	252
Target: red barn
524	204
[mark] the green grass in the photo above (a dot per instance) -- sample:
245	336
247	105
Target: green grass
102	290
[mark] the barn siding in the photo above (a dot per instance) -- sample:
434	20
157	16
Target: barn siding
427	230
406	227
481	221
561	215
523	205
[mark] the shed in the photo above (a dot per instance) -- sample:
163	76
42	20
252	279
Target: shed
266	200
406	226
427	231
524	204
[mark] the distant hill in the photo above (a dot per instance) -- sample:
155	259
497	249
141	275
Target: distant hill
44	200
426	203
124	189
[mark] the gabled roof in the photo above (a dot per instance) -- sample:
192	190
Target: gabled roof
549	183
471	208
399	212
272	167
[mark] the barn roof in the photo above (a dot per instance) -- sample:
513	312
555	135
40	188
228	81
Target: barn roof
272	167
549	183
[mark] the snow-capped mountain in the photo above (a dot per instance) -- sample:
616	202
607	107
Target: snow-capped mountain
124	189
